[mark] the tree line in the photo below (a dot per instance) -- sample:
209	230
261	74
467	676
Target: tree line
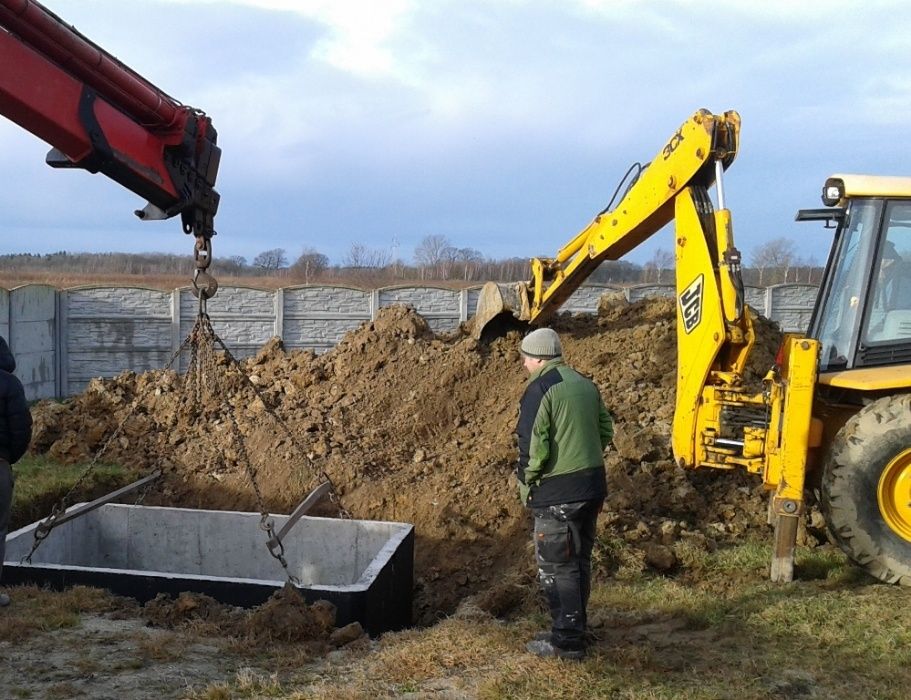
434	259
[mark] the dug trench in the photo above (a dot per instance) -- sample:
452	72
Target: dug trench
418	428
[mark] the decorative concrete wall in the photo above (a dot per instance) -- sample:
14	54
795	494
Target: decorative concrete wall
64	338
317	318
106	330
791	305
33	337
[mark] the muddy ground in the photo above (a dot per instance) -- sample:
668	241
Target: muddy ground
413	427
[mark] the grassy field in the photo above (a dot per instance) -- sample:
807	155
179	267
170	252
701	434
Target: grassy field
716	629
40	484
719	631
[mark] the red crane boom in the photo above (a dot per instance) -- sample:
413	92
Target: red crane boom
101	116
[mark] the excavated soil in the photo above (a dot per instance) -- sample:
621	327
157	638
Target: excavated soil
413	427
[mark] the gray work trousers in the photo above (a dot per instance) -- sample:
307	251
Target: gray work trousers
6	505
564	538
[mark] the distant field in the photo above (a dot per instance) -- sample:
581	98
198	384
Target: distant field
10	279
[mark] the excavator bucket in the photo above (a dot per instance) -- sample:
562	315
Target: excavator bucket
501	308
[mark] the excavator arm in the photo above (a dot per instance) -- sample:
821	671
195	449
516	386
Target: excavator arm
718	421
693	157
688	164
101	116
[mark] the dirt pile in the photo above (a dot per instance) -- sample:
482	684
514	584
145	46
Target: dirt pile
418	428
284	617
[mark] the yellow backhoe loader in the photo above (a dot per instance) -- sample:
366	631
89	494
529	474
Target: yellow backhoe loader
833	417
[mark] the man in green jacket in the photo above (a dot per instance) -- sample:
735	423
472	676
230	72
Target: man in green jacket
562	432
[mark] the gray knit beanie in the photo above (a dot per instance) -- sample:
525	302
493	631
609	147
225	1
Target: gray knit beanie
541	344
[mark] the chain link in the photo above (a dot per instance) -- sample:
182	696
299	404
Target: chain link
322	475
205	377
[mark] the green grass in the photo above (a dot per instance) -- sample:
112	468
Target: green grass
41	483
718	629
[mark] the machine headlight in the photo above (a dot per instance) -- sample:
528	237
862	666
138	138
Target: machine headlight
833	191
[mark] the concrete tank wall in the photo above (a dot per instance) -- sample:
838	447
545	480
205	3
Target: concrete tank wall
364	567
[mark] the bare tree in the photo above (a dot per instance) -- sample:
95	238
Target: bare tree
660	262
776	256
273	259
360	256
310	264
469	261
434	253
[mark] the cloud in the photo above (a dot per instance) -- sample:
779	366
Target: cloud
501	123
359	33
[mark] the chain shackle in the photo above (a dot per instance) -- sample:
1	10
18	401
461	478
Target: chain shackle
204	285
202	252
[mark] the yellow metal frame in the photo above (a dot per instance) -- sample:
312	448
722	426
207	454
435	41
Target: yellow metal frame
889	378
715	333
648	206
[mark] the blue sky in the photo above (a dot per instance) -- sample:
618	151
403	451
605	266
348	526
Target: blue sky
503	125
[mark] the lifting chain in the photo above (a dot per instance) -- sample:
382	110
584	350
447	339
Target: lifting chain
201	383
202	388
207	397
334	497
201	398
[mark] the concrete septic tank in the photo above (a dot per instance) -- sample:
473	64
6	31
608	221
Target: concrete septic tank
364	567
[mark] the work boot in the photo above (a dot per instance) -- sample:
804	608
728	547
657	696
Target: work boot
4	600
545	649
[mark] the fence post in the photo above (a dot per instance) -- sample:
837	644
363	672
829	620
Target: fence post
63	335
175	322
279	304
374	304
463	305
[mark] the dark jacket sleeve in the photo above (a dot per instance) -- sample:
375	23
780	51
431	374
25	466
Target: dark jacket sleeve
17	418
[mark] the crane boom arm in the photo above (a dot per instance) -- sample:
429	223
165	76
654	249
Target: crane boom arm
101	116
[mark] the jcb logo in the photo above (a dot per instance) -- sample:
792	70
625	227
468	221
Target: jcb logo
671	145
691	305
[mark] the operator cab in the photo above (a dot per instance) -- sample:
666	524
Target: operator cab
862	316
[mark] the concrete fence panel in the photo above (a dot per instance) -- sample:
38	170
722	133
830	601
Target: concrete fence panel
317	318
243	317
106	330
64	338
4	314
472	294
757	298
439	306
791	305
585	299
641	291
32	313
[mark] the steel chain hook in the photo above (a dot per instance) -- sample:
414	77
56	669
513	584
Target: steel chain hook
204	285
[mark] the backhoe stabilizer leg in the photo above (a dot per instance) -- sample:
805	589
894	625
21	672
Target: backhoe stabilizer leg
782	569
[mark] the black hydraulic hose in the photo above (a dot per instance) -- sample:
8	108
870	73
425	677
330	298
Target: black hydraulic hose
638	168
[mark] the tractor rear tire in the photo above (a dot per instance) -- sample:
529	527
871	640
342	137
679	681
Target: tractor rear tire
864	484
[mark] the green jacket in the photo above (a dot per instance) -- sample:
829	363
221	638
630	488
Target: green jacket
562	431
